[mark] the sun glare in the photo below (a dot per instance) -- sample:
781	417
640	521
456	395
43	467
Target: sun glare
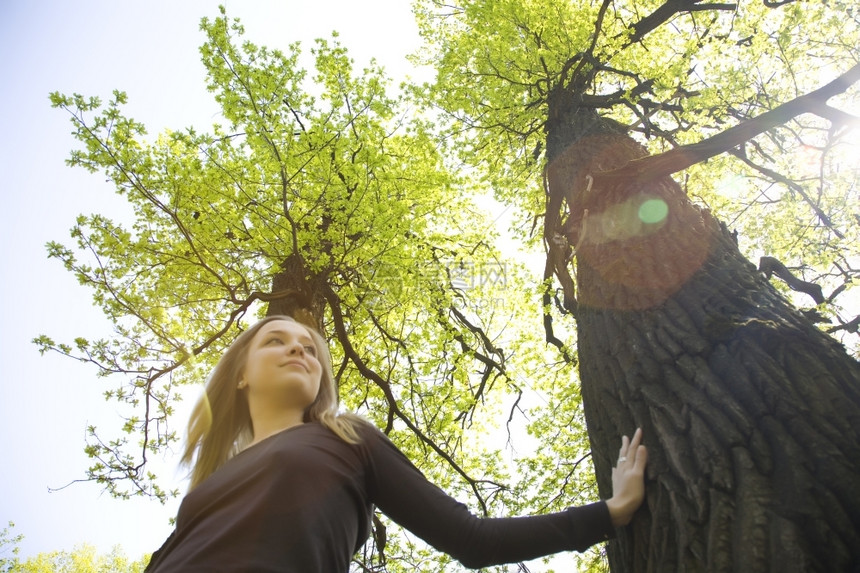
653	211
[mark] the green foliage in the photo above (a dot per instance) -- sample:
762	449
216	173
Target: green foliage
496	63
82	559
9	548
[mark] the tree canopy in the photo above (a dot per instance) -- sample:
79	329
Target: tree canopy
330	194
675	73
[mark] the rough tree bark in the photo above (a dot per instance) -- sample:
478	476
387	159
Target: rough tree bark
297	293
751	414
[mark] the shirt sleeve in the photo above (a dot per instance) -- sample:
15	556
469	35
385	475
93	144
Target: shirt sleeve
402	492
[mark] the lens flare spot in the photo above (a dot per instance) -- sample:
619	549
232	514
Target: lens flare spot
653	211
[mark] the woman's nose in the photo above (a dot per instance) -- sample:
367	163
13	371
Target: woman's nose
296	348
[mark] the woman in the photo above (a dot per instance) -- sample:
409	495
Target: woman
282	482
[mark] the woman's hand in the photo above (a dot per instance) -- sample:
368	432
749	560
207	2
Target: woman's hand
628	480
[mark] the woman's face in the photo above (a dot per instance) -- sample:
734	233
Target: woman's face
282	366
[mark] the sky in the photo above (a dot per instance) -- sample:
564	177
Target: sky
149	50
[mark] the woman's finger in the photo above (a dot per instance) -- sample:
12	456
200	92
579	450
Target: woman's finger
641	458
637	439
629	448
622	453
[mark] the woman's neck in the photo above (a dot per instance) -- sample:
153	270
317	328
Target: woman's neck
269	425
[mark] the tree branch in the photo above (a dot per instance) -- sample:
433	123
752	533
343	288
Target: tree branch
665	13
772	266
777	4
794	186
370	374
641	171
837	116
852	326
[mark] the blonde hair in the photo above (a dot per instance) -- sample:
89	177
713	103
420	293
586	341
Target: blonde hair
220	424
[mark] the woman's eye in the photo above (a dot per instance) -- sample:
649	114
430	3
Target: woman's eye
311	350
274	340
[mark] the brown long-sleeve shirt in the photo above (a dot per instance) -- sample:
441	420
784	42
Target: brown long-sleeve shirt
301	501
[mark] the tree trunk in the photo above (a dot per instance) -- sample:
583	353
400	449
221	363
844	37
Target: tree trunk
297	294
750	413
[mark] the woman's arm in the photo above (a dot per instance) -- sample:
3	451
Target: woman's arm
404	494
